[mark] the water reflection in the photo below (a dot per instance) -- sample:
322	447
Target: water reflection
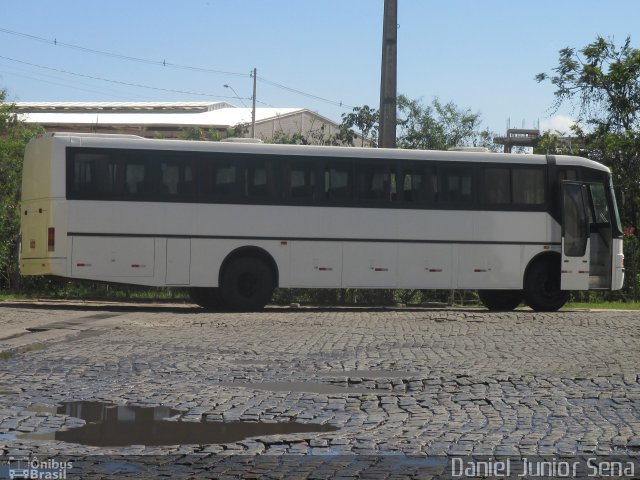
115	425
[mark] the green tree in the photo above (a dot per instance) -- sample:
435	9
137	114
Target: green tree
553	143
315	136
14	135
197	133
365	119
602	84
439	126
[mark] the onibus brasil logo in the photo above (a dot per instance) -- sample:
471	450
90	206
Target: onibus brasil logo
33	468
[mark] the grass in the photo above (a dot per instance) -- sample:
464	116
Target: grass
105	292
14	296
605	305
102	292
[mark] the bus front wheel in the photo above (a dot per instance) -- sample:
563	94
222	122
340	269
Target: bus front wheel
247	284
542	287
501	300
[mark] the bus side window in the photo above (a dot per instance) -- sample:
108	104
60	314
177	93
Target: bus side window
456	184
528	186
83	174
600	210
224	180
301	181
178	179
375	184
407	184
170	177
134	177
93	174
218	180
338	181
259	180
419	185
494	186
186	184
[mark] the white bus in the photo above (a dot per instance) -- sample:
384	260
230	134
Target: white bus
233	221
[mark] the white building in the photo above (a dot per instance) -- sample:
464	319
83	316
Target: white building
171	119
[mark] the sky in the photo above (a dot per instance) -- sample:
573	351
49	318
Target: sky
322	55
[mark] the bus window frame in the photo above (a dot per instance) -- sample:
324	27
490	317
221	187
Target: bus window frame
282	164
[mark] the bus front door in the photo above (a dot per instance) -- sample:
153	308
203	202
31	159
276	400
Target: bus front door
574	272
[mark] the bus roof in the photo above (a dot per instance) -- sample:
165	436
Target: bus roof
136	142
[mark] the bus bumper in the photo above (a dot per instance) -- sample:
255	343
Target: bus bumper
617	274
43	266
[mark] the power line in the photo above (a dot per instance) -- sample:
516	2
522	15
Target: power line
164	63
118	82
265	104
64	81
6	72
300	92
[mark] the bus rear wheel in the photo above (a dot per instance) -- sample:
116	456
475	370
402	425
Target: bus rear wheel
247	284
542	287
205	297
501	300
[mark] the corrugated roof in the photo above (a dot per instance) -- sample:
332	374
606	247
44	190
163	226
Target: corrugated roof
121	106
222	117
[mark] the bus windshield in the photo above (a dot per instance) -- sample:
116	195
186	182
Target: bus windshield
614	205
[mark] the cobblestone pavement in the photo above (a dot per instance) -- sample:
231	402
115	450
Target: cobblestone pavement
417	382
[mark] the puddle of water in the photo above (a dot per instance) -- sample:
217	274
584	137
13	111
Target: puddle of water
368	374
70	324
302	387
99	316
118	426
42	409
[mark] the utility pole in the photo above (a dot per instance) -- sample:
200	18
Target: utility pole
253	110
388	77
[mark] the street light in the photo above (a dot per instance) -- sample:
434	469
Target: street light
254	75
236	93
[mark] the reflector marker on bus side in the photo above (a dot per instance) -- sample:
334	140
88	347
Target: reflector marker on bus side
325	269
137	265
83	264
434	270
479	270
379	269
51	239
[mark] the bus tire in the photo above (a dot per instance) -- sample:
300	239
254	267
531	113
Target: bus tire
207	298
542	287
247	284
501	300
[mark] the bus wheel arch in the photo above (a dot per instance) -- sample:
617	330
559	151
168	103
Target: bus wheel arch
248	275
542	283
